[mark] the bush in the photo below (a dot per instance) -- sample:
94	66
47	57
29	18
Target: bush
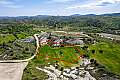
93	51
100	51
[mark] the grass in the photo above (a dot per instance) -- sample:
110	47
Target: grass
31	73
110	57
65	56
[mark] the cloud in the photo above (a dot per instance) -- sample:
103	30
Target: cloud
90	5
109	1
104	4
61	1
13	6
106	1
96	4
9	4
4	2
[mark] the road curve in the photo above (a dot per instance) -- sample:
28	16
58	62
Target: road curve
25	60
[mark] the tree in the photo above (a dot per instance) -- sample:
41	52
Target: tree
26	49
61	52
91	60
85	55
56	67
93	51
62	68
100	51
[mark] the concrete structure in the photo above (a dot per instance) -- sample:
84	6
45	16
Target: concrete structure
43	40
75	41
57	42
12	71
75	74
109	36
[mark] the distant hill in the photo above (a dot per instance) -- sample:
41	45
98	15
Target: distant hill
46	16
90	15
41	16
25	17
111	14
83	15
75	15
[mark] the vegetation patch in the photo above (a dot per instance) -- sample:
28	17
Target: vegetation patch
107	54
65	56
5	38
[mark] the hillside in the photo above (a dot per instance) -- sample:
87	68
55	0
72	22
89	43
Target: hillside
108	23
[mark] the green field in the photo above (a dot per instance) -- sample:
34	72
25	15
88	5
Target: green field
31	73
65	56
110	57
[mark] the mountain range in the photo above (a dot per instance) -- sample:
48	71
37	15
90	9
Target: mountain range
45	16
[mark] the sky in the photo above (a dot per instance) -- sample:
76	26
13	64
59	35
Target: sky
57	7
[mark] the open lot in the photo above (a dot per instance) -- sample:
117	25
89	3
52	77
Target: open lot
65	56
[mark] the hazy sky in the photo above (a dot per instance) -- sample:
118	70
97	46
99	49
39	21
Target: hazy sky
57	7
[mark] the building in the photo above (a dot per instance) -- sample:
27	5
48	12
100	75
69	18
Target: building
43	41
75	41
